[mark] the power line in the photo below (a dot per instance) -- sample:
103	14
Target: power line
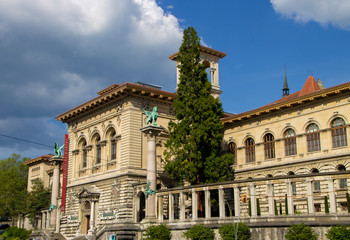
24	140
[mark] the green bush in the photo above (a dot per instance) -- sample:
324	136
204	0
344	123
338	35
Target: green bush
228	231
300	232
160	232
339	233
199	232
15	233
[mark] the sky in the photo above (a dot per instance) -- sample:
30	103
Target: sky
57	54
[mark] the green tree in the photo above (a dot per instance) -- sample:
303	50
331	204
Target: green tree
38	199
300	232
15	233
194	151
160	232
199	232
13	187
338	232
228	231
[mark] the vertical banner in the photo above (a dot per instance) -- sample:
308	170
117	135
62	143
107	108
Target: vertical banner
65	172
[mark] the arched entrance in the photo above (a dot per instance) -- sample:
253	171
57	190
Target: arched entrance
141	206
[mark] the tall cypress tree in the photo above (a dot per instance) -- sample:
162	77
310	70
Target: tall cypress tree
194	149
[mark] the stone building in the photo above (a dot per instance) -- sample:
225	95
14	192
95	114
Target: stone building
289	156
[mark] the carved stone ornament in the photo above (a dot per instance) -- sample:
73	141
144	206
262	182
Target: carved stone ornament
108	215
88	194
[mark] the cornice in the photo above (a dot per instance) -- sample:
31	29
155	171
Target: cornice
203	49
116	93
272	108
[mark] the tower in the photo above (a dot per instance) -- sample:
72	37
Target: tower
210	59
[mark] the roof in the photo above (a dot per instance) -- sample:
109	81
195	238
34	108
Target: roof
203	50
112	93
38	159
311	91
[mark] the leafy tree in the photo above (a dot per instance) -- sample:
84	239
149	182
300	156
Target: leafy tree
160	232
194	151
228	231
338	232
199	232
13	187
15	233
300	232
39	198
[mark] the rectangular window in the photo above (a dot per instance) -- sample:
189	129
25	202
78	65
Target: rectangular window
343	183
98	154
317	207
317	186
114	150
313	142
294	188
84	158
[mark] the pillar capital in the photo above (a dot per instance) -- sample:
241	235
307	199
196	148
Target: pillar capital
56	161
152	131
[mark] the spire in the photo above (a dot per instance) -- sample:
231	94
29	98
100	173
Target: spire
285	89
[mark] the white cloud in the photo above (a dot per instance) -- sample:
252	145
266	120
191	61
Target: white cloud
334	12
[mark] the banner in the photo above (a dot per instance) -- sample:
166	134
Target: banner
65	172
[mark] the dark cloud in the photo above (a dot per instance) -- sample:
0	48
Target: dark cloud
55	56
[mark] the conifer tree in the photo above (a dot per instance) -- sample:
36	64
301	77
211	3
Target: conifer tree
194	149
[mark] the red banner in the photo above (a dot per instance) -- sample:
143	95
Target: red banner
65	172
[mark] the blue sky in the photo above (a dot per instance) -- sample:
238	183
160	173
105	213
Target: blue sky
57	54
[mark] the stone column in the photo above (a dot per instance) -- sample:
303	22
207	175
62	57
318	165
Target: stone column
91	232
160	209
194	205
310	196
207	203
331	194
171	207
237	202
290	197
56	161
270	196
151	132
182	206
221	202
253	200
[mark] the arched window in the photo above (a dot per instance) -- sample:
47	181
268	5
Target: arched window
232	148
113	146
96	141
269	146
313	138
82	146
338	133
249	150
290	142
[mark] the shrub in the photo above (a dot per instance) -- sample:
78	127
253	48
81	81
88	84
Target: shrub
15	233
160	232
199	232
228	231
338	233
300	232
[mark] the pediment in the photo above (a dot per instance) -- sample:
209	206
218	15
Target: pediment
87	192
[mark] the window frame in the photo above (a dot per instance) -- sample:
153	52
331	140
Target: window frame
249	150
290	142
269	146
313	138
338	133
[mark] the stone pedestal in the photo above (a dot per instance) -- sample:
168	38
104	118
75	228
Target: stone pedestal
151	132
56	162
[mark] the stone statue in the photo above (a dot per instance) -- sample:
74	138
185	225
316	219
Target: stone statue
58	150
152	116
148	190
